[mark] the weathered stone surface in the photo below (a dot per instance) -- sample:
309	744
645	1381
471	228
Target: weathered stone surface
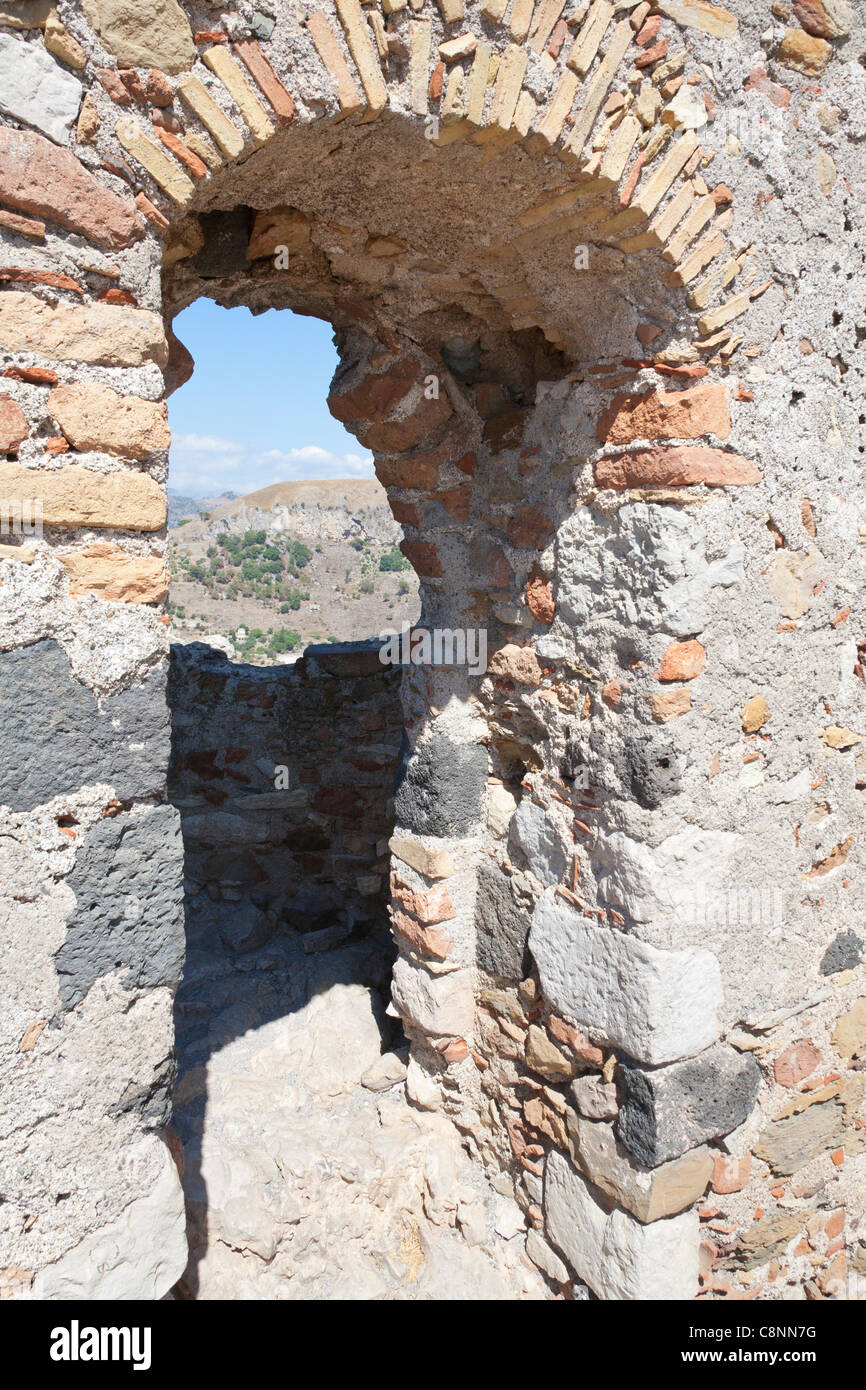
654	769
36	90
140	1255
545	1057
60	42
790	1143
656	1005
849	1035
94	417
278	227
128	886
57	738
515	663
769	1237
803	52
107	334
39	178
107	571
670	704
648	1193
13	425
432	906
826	19
539	598
685	414
616	1255
432	863
25	14
74	496
792	580
595	1098
701	14
438	1004
754	714
502	928
844	953
537	839
440	787
153	35
666	1112
675	466
682	661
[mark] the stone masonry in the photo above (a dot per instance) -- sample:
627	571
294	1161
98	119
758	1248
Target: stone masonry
596	276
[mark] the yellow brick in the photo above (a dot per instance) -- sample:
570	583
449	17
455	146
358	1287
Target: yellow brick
696	260
358	38
223	66
550	230
450	133
702	213
619	149
552	207
452	10
521	18
719	317
699	14
512	70
547	13
658	183
666	220
598	85
420	32
212	117
550	126
700	296
524	113
645	241
452	106
478	84
494	10
170	177
332	56
586	45
204	148
621	221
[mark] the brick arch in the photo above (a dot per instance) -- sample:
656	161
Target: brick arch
576	488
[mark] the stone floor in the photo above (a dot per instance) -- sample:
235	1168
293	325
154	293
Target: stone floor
307	1173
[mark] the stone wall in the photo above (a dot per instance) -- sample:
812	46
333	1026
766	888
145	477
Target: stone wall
607	349
284	778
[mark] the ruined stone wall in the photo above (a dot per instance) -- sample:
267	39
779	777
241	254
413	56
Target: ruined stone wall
284	778
625	243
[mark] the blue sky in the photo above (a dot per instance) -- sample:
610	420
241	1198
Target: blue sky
254	412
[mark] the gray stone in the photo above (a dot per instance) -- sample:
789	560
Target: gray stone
262	25
440	787
789	1144
845	952
55	737
128	886
654	770
244	928
537	838
502	928
37	90
595	1098
666	1111
648	1193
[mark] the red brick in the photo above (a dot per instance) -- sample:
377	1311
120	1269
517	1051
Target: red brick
648	31
34	376
430	941
652	55
260	69
796	1062
539	597
611	693
39	177
19	275
109	79
759	81
423	557
196	166
684	466
158	88
730	1174
429	907
530	528
456	502
682	661
406	513
13	425
688	414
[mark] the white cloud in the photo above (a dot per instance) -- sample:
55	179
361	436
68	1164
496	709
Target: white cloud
202	465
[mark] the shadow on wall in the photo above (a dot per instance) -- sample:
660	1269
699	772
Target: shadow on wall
284	780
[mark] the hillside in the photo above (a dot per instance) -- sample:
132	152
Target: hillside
289	564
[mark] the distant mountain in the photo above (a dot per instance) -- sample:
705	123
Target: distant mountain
181	507
288	564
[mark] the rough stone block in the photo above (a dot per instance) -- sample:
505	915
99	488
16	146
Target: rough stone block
154	35
502	928
57	738
620	1258
39	178
128	886
438	1004
36	90
441	786
656	1005
539	839
104	334
92	416
666	1112
75	496
648	1193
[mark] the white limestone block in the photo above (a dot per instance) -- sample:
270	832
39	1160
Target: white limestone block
37	90
438	1004
658	1006
621	1259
